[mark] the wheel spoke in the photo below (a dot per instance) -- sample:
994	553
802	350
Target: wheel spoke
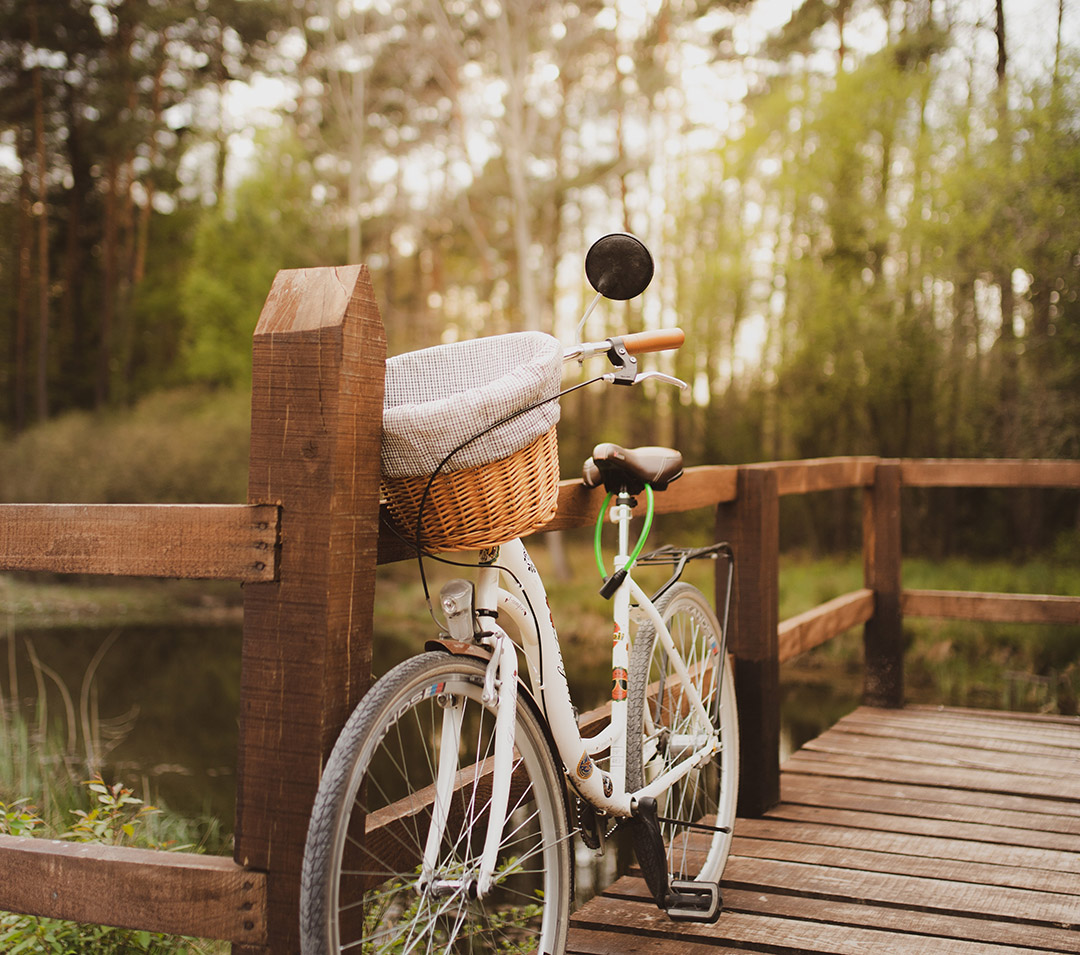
670	721
383	907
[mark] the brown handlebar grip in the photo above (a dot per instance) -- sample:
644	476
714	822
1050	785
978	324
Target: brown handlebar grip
660	340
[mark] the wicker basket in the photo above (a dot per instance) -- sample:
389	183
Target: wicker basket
468	509
481	416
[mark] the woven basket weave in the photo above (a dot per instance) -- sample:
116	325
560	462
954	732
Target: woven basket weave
480	506
482	414
453	396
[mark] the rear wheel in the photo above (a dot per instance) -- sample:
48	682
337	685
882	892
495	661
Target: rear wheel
362	888
668	728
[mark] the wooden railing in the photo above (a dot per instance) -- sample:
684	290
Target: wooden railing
306	546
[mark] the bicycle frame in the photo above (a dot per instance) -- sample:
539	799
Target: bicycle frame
509	585
604	790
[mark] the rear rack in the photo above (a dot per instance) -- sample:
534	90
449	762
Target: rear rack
679	557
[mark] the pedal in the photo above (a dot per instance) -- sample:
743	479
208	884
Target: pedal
649	849
682	900
693	902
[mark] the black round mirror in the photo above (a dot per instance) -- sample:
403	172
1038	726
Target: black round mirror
619	266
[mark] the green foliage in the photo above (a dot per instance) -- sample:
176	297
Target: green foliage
19	818
383	914
270	223
114	820
115	817
186	445
100	105
892	226
950	662
63	805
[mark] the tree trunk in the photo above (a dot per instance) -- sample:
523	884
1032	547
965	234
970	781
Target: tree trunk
25	282
71	324
1009	386
109	284
41	210
513	51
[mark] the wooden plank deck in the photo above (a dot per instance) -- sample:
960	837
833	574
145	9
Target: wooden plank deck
914	831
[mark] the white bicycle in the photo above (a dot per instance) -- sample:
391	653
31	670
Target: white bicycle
445	816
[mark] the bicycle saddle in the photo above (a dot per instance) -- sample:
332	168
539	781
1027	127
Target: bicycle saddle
631	468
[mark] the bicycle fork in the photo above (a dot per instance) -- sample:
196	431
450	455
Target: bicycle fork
500	691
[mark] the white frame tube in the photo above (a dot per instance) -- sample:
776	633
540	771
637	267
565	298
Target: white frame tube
503	768
524	589
450	741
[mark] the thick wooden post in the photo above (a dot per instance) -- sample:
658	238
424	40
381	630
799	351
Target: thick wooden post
751	523
883	634
316	417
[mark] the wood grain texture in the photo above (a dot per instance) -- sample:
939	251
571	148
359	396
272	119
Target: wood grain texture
960	472
992	608
171	892
317	389
197	541
896	833
883	634
821	474
751	524
814	627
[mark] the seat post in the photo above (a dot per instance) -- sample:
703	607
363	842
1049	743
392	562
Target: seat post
622	512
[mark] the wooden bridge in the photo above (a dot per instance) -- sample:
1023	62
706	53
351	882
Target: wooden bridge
896	828
922	830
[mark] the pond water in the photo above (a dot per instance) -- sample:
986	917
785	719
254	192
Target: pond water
156	705
160	704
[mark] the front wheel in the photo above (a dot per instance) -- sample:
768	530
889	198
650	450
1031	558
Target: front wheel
364	888
662	728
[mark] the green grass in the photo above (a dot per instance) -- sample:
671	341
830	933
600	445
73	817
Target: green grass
41	601
48	791
954	662
186	445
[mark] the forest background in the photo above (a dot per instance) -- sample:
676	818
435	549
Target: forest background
865	214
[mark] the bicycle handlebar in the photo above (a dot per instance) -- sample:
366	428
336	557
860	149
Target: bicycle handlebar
662	339
635	343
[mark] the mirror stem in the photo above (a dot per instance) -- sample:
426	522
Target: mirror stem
585	317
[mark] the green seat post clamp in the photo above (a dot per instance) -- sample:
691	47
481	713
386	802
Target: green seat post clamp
612	583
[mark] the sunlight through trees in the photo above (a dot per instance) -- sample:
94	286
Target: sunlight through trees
864	213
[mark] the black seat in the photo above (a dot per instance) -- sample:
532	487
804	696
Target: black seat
631	468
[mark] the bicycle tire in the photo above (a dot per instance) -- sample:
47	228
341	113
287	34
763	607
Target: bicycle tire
656	708
360	885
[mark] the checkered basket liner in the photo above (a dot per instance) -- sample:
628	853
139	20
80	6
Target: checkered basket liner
502	484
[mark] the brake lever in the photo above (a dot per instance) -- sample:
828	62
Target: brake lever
660	376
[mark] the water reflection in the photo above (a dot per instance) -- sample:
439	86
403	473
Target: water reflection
155	707
163	705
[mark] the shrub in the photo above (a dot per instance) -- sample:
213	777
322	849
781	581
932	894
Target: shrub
116	817
186	445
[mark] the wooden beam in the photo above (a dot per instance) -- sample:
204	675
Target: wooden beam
883	635
752	524
992	608
316	426
960	472
814	627
205	541
821	474
172	892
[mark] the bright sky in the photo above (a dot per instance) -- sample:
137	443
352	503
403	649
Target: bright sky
1031	25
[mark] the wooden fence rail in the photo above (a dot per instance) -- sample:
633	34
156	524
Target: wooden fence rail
196	541
306	545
